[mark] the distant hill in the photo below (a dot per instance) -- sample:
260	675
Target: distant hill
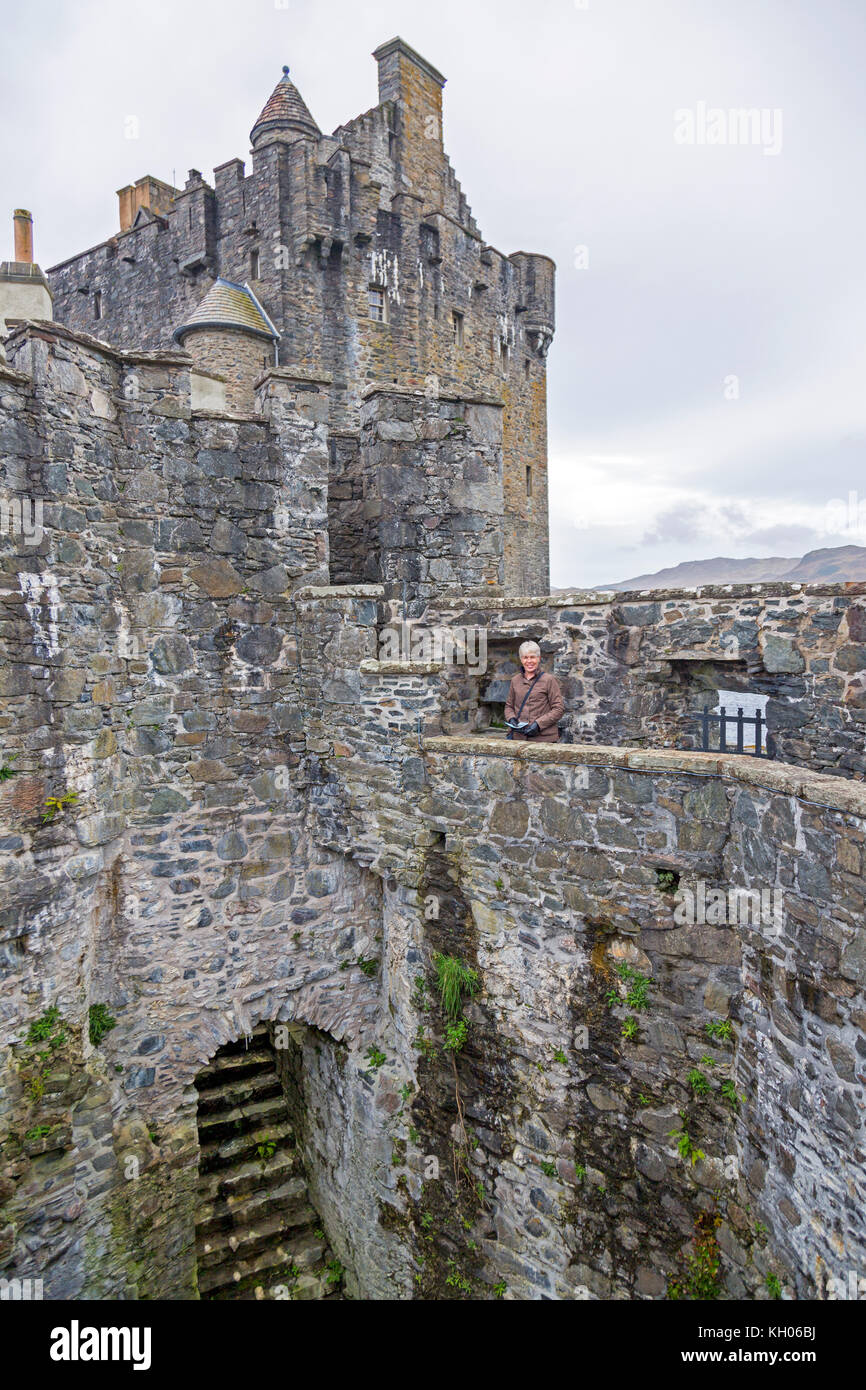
836	565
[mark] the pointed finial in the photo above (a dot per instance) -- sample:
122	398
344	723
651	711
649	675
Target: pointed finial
285	72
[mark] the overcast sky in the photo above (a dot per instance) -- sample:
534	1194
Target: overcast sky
707	375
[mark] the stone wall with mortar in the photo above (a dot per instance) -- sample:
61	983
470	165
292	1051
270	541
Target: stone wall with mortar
239	358
264	825
557	854
638	668
433	494
151	673
544	868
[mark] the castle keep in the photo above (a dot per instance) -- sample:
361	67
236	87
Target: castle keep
252	811
363	251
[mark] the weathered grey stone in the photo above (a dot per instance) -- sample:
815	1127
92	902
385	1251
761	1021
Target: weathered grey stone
780	653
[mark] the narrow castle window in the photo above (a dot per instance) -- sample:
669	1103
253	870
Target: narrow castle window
503	351
526	367
97	305
378	304
528	481
255	265
457	321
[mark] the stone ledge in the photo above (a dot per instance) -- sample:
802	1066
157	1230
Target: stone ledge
836	793
206	372
347	591
378	388
44	328
371	667
592	598
233	417
300	374
10	374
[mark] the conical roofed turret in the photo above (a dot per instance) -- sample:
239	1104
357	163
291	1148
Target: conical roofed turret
285	116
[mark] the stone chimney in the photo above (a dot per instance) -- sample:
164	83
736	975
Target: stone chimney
414	86
24	290
149	193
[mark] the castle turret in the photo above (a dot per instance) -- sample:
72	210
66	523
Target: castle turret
285	117
230	334
24	292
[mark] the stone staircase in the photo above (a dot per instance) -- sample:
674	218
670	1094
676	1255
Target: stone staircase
257	1236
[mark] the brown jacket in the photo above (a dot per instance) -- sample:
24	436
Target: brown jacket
545	705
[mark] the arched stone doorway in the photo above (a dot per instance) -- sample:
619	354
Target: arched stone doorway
257	1233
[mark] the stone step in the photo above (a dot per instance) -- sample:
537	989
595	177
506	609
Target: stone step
231	1214
224	1068
254	1222
239	1091
300	1251
247	1175
240	1118
238	1147
302	1289
245	1242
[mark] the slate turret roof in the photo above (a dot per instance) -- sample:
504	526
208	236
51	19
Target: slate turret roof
227	305
285	111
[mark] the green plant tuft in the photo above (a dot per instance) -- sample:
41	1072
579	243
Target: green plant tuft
42	1028
455	1035
685	1144
100	1023
55	804
454	979
729	1093
699	1083
700	1278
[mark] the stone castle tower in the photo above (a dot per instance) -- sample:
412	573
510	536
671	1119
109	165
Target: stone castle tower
353	258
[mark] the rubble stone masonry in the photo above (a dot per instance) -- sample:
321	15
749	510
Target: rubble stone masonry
263	815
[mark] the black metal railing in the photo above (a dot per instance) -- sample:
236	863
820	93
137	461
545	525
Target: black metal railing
763	746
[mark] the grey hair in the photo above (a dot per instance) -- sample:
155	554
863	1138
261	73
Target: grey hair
528	647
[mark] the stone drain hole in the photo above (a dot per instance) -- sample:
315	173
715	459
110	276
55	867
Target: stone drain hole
257	1233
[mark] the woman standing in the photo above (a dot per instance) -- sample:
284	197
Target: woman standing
534	699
